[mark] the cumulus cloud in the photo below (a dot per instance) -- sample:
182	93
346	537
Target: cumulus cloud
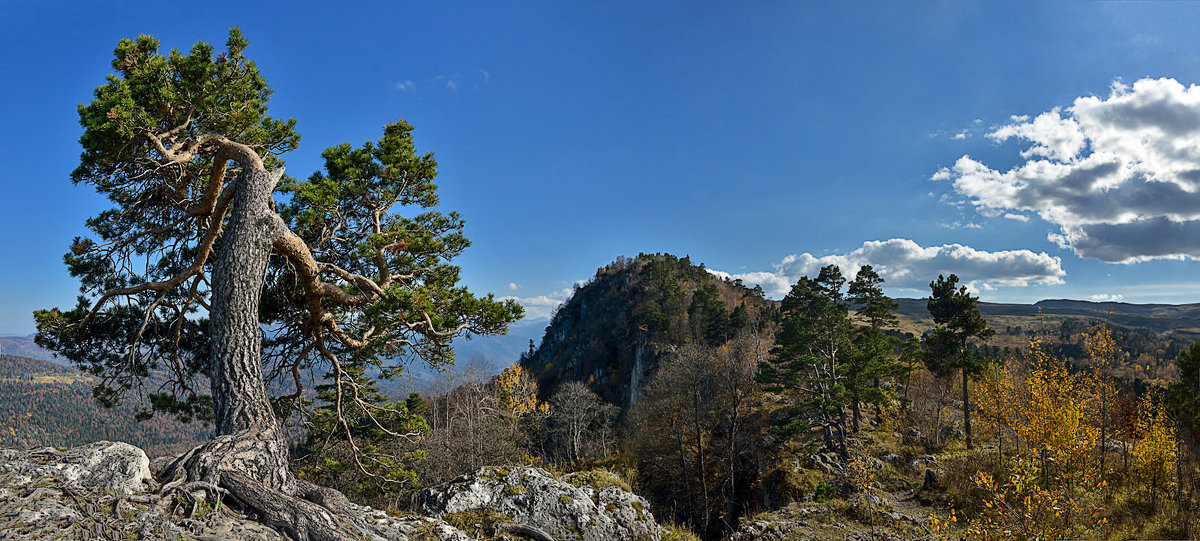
1118	175
542	306
904	264
512	286
1105	297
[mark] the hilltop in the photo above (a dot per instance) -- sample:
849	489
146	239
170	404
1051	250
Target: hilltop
610	332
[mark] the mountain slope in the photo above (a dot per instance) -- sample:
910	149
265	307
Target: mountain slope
610	333
23	346
44	404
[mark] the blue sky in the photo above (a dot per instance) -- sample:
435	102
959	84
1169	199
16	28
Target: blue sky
763	139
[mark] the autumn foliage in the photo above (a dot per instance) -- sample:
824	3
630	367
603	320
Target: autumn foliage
1055	482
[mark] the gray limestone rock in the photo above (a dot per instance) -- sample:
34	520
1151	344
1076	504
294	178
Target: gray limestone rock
104	465
580	506
97	491
893	459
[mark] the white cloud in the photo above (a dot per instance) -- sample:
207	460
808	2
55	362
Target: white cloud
1017	217
960	224
1104	297
1119	176
961	135
406	86
512	286
542	306
486	76
904	264
453	86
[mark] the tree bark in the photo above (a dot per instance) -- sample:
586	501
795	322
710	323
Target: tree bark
701	467
1103	428
241	406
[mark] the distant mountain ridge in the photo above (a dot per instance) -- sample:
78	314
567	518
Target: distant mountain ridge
23	346
487	354
1175	321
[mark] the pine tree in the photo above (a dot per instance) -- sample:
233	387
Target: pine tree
811	359
196	260
1183	396
957	318
874	351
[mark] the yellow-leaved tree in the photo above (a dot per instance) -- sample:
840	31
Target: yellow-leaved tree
1104	354
518	392
998	402
1156	453
1059	414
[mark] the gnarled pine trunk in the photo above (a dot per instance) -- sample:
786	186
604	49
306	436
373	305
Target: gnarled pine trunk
241	406
249	456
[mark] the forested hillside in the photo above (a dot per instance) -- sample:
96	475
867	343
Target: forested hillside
42	404
610	334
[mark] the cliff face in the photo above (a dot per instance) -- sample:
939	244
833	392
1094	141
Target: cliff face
611	332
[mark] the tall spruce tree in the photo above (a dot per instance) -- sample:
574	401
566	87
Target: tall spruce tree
957	320
196	264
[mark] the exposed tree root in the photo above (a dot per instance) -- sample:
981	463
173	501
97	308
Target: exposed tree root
253	473
294	517
259	455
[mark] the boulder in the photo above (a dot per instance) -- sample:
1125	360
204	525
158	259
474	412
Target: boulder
950	433
116	467
893	459
580	506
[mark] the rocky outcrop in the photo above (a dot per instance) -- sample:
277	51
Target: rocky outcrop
873	518
586	506
611	333
117	467
104	490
